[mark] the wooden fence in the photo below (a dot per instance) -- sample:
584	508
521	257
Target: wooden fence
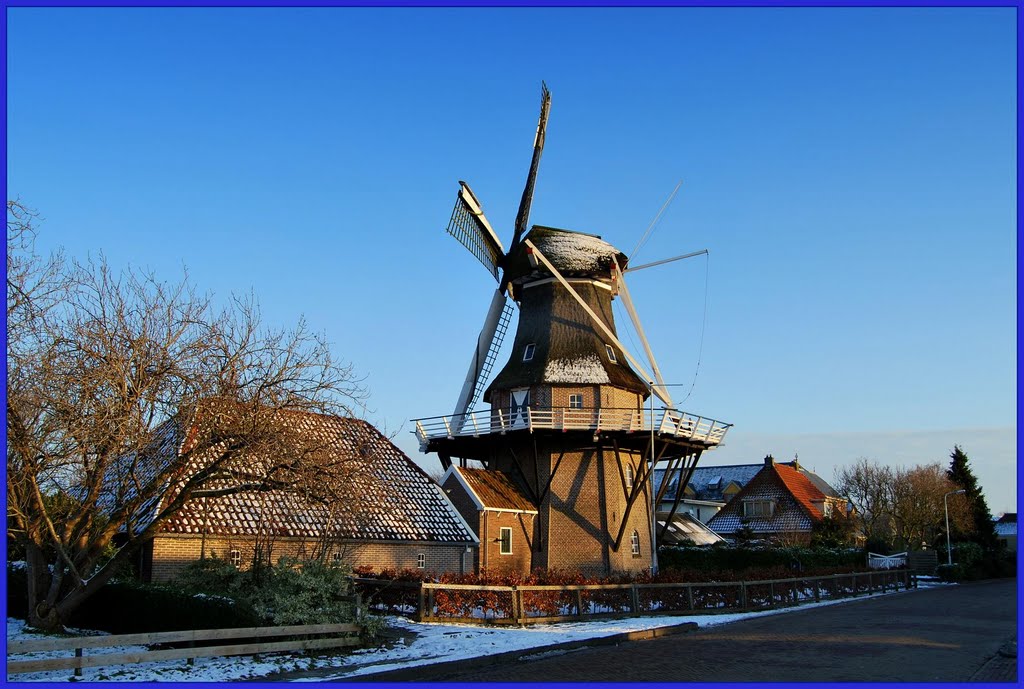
329	636
479	604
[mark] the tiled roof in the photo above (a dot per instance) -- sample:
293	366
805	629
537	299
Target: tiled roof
708	482
801	488
793	495
495	490
387	498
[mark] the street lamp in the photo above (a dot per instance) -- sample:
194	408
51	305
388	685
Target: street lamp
945	504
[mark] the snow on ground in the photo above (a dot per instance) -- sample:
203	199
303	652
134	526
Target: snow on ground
418	644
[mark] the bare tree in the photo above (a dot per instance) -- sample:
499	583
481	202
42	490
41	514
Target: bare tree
101	367
868	485
918	506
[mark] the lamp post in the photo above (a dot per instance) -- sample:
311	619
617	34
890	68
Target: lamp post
945	504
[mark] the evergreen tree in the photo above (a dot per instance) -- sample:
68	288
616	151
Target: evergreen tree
960	473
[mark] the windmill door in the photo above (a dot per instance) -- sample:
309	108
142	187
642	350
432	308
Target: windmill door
518	406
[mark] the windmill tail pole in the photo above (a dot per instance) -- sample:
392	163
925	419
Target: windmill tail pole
523	217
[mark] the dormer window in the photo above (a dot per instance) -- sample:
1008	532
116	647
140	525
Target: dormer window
758	508
611	354
528	352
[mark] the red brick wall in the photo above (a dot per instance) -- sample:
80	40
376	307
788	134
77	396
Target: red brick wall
171	553
491	558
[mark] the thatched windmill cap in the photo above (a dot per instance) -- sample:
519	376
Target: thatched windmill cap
574	254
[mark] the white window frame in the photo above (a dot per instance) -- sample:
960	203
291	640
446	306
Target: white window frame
629	475
530	350
576	400
502	540
611	354
235	557
421	561
755	508
634	542
336	558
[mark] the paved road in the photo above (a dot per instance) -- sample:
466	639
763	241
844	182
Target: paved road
944	634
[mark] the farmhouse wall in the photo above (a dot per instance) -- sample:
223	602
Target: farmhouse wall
172	553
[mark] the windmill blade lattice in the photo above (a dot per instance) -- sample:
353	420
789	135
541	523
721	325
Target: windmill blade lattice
492	354
470	227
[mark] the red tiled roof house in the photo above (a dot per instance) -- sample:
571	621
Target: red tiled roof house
781	502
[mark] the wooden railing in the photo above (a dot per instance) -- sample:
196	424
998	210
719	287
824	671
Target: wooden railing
480	604
330	636
671	422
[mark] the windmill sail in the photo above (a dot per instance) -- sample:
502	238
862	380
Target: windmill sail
480	356
469	225
492	353
523	217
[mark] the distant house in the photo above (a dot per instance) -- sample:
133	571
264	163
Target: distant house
707	491
402	519
781	502
499	513
1006	530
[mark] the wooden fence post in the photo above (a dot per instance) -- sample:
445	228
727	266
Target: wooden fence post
771	594
634	595
579	602
78	670
743	595
423	604
853	578
817	590
689	596
517	605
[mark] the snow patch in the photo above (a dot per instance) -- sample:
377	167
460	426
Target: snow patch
569	251
586	369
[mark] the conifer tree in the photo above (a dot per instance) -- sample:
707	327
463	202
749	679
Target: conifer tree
960	473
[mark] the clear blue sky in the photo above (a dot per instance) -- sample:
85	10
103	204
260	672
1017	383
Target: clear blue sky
852	172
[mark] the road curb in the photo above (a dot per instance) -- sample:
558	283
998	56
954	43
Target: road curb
436	671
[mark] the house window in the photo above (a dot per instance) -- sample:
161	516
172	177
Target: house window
528	352
236	557
336	557
506	541
575	401
421	561
629	476
611	354
758	508
634	543
826	509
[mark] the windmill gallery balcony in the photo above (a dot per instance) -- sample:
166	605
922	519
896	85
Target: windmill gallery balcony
667	423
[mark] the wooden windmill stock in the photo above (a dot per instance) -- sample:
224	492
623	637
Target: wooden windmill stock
567	422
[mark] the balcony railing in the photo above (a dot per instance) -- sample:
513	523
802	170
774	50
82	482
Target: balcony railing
670	422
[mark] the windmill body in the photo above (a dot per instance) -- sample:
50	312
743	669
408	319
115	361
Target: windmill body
568	427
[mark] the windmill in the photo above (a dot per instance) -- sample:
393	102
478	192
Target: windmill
567	429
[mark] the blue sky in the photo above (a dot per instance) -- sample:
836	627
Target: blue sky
852	172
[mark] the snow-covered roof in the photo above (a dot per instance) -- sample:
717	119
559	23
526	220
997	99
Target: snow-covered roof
388	496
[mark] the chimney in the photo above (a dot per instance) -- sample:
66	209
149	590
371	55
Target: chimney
769	461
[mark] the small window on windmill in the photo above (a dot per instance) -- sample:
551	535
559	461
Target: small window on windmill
575	401
528	352
629	476
634	542
611	354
